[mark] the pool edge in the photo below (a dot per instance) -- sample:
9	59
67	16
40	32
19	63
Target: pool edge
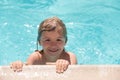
74	72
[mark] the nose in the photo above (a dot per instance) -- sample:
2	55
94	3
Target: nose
53	44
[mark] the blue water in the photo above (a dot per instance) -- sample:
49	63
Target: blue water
93	28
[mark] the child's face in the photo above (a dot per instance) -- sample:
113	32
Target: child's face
52	42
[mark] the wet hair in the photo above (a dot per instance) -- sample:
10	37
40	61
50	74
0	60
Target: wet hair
51	24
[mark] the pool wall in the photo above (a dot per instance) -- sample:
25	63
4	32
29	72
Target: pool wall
74	72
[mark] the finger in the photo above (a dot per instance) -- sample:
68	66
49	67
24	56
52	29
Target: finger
58	66
61	66
65	65
19	66
19	70
14	67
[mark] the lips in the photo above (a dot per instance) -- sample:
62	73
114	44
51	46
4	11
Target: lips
53	50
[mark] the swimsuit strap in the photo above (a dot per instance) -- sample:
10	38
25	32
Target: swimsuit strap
41	51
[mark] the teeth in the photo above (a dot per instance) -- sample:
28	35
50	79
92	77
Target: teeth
53	50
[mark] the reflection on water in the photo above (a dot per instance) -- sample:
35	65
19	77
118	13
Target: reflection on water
93	28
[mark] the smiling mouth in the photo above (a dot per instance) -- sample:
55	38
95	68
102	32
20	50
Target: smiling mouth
53	50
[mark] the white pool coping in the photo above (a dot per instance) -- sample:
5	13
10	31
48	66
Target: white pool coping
74	72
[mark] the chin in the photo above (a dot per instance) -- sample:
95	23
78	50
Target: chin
53	53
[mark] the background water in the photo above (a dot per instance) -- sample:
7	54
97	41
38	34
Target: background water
93	28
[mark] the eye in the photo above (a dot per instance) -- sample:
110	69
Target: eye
59	39
46	40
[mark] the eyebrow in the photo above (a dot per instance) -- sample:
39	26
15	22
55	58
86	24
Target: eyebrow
60	37
48	37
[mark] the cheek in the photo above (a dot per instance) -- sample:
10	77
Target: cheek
61	44
44	44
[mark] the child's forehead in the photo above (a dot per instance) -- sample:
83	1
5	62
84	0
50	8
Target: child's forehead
51	33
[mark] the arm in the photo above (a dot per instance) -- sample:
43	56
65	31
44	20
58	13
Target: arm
66	60
32	59
73	59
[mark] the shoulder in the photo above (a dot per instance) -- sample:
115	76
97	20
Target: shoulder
73	58
35	56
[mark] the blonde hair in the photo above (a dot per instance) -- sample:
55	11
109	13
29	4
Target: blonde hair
51	24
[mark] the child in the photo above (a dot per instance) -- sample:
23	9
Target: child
52	36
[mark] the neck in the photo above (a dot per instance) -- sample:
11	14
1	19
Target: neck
51	58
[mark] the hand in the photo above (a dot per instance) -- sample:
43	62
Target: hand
16	66
61	65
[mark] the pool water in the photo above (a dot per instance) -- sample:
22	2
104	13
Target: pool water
93	28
